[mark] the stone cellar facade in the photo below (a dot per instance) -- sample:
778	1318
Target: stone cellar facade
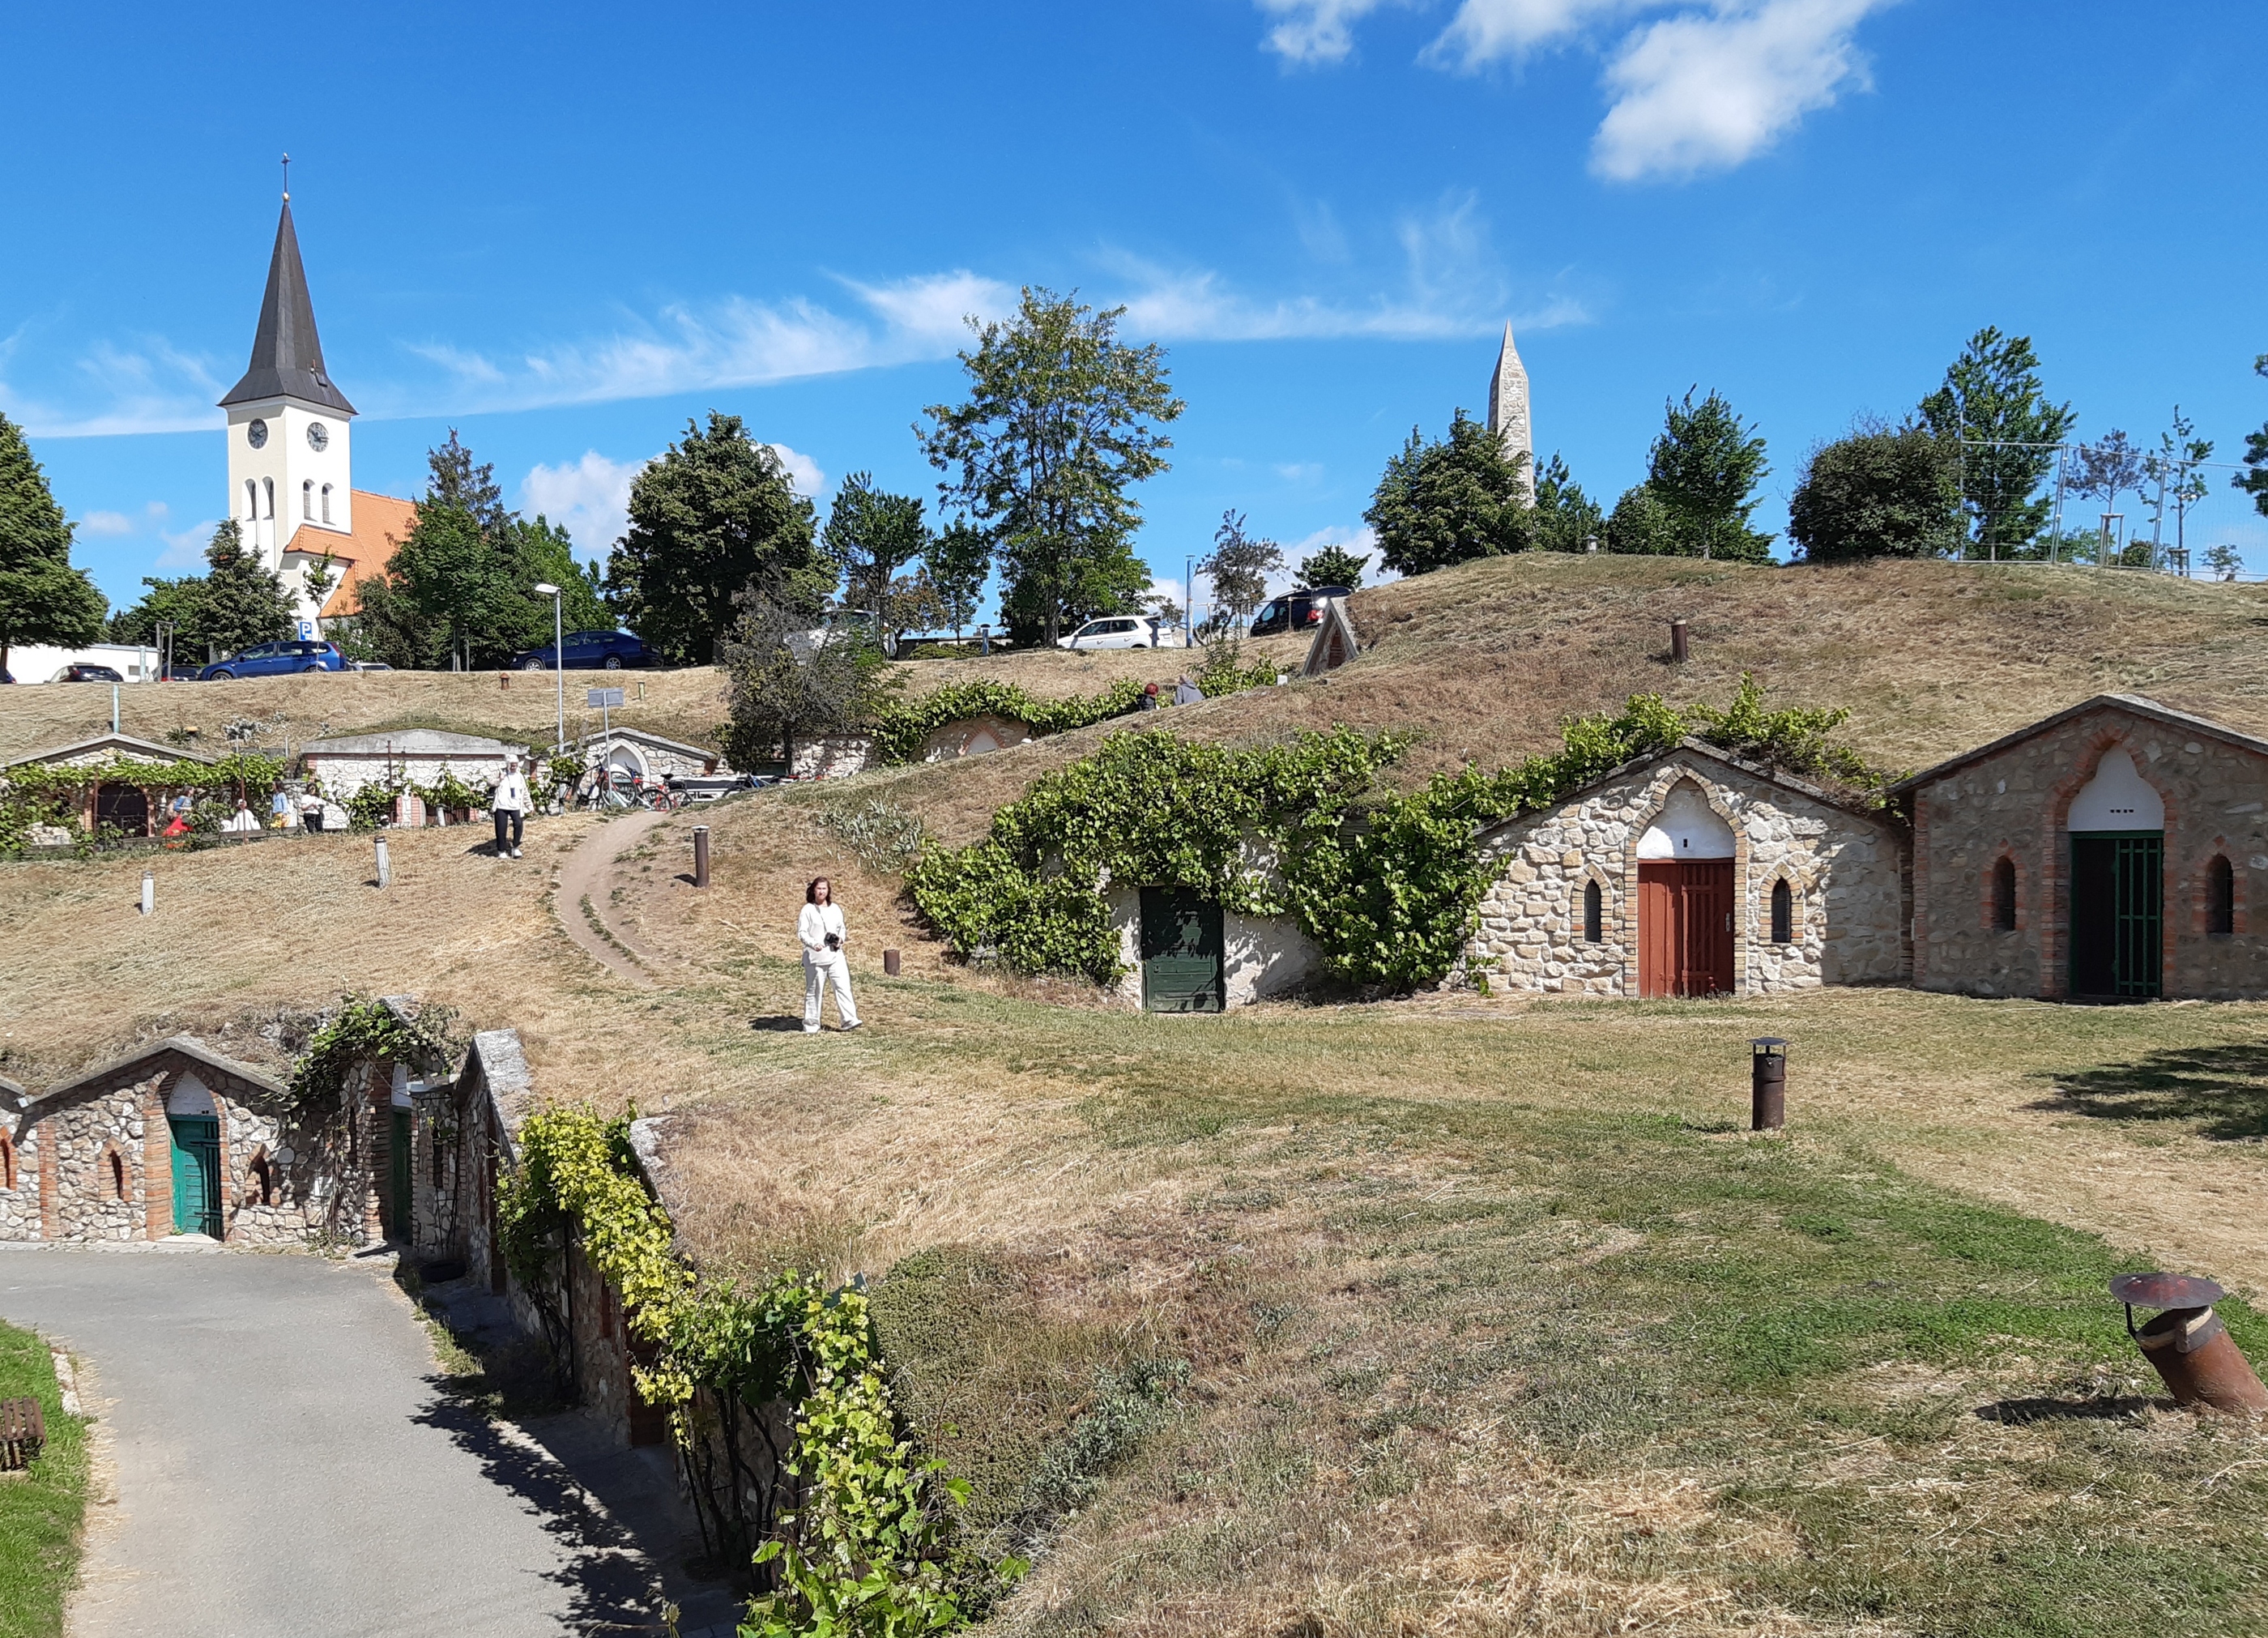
1692	872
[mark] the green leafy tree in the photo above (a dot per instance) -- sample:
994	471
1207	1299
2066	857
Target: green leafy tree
2104	471
242	601
959	559
714	516
1566	518
1994	411
42	598
2175	464
462	583
1643	524
1881	492
1704	467
871	535
1333	565
2253	478
784	687
1062	420
1240	566
1444	503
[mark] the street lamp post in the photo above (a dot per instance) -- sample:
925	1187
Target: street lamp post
559	658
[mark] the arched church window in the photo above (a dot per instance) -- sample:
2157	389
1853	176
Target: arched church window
1783	913
2219	898
2004	895
308	499
1594	914
251	501
268	486
327	503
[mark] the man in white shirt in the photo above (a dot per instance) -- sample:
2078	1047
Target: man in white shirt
242	820
509	806
821	930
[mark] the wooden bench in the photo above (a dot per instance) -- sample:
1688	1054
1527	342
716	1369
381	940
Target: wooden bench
22	1430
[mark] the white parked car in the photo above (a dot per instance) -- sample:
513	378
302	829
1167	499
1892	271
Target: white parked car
1122	632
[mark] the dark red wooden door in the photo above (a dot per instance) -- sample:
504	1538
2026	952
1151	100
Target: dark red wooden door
1685	927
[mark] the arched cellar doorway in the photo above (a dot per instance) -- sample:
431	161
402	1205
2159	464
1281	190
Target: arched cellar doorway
1685	899
2117	827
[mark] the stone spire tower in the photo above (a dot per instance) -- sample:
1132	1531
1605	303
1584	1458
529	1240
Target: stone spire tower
1507	415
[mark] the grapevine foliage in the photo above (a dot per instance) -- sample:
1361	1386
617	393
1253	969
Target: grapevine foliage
868	1552
900	733
1386	884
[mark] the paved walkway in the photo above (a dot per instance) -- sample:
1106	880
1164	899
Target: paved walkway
286	1465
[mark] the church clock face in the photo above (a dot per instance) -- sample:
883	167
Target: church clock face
319	436
256	434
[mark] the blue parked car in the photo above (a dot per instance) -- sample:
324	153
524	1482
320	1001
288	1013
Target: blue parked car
267	659
588	651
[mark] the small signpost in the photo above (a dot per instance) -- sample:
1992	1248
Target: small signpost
605	700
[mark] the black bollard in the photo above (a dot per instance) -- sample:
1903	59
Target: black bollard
1767	1083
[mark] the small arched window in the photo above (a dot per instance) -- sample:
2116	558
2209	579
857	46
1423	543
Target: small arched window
7	1162
1783	913
2219	898
308	499
327	503
1594	914
2004	895
251	501
117	1178
262	1182
268	486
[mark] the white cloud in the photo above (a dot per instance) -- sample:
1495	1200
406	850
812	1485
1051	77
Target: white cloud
1315	31
1485	30
1705	91
802	471
184	549
106	523
1362	541
590	499
1707	88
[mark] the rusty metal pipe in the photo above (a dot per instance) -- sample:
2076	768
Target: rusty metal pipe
1678	646
890	962
2189	1346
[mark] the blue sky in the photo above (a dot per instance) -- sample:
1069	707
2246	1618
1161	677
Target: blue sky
565	230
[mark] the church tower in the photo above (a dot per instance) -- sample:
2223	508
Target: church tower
289	484
1508	416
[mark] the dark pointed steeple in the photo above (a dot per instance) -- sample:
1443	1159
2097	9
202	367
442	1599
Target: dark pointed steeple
287	354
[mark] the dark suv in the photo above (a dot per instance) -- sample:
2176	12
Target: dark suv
267	659
587	651
1296	611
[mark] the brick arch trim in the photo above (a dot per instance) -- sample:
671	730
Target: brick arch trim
1672	774
2054	895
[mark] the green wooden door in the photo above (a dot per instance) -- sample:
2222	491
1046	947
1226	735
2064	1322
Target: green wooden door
1181	946
2118	913
197	1173
398	1224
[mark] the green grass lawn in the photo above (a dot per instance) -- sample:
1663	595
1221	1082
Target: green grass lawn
40	1511
1439	1284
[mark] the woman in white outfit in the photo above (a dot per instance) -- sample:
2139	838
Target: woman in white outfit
821	929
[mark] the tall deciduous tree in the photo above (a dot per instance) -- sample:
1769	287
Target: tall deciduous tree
42	598
1704	467
1240	566
869	535
1566	518
714	516
1062	420
1994	411
2105	469
1446	502
1881	492
959	559
236	603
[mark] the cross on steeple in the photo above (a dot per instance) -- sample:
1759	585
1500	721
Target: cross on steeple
287	179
